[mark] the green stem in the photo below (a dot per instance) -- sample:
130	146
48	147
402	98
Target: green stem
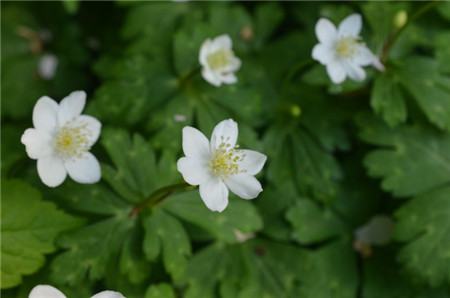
299	67
186	78
393	38
159	195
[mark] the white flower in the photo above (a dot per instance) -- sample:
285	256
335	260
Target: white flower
218	61
378	231
45	291
47	66
61	140
342	50
219	165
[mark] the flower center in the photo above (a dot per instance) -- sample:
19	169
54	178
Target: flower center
72	141
346	47
225	161
219	59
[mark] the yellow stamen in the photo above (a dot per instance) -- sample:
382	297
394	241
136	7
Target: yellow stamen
219	59
346	47
72	141
225	161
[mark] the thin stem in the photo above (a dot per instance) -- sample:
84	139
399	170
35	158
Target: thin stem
186	78
298	68
159	195
393	38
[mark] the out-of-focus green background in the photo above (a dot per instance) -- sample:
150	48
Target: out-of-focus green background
338	154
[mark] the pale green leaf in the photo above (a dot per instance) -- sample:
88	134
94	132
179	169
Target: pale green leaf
29	227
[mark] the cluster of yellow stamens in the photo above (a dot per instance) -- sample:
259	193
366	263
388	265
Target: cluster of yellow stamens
72	141
225	160
219	59
346	47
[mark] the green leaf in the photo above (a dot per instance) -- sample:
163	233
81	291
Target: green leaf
266	20
330	272
383	279
161	290
90	249
239	216
12	150
132	261
27	235
312	223
137	85
423	223
422	79
387	99
173	242
408	152
254	269
443	51
294	154
135	165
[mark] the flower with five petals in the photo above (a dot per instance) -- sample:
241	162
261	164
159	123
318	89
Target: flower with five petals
219	165
61	139
342	51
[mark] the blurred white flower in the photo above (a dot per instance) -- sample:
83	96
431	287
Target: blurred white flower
61	140
243	237
47	66
218	61
378	231
342	50
46	291
179	117
218	165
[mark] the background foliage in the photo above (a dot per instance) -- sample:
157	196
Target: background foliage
337	154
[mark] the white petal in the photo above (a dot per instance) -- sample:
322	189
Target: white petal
244	185
45	291
204	52
229	78
355	72
45	114
364	56
108	294
336	72
51	170
37	143
351	25
226	131
195	144
214	194
223	42
323	53
71	106
211	77
91	124
326	31
195	171
252	162
233	66
84	169
377	64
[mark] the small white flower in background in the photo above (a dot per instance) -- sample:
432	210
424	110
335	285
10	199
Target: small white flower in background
61	140
179	117
378	231
47	66
243	237
218	165
342	50
45	291
218	61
